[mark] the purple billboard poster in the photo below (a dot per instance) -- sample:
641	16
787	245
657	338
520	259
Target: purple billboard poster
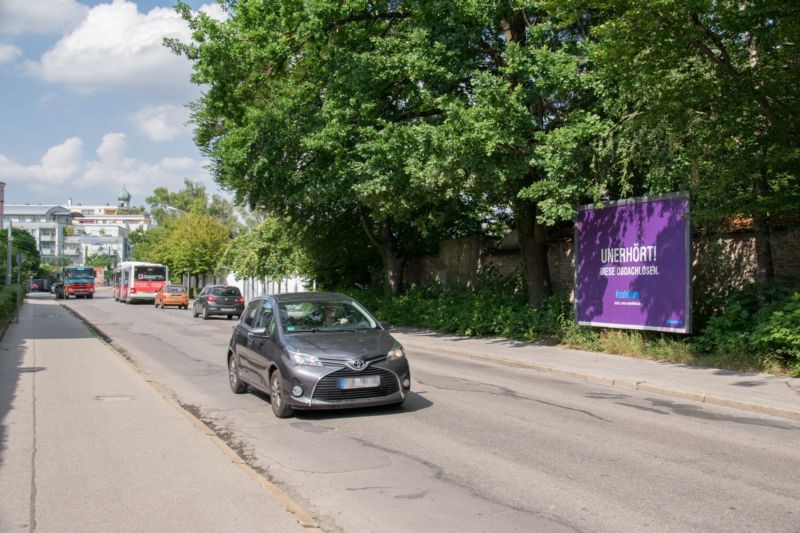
633	264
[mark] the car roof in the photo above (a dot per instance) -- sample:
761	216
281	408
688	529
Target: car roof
309	296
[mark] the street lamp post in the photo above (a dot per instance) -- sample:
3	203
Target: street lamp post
20	260
8	254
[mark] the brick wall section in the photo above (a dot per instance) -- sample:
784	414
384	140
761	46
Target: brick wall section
717	264
786	257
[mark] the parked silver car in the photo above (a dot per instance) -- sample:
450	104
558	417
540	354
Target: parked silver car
316	351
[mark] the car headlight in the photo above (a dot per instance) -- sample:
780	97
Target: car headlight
396	353
302	359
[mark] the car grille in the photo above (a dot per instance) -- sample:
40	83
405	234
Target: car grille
328	387
339	363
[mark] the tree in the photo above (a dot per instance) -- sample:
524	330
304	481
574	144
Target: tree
166	205
105	261
192	230
22	242
705	98
523	134
321	113
269	250
194	244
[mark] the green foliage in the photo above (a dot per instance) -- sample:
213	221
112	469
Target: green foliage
746	334
415	119
22	242
100	260
496	307
269	250
166	205
703	98
195	244
776	334
9	302
192	232
758	324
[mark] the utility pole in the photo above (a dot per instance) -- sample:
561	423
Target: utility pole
20	260
8	254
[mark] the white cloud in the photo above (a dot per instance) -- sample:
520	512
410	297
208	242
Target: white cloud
161	123
40	16
8	53
63	172
116	47
214	11
112	148
59	164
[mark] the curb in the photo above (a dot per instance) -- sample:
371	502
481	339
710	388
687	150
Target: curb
639	385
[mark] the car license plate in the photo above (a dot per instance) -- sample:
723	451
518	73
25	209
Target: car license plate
361	382
226	309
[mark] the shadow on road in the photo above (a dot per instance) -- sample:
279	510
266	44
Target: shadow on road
414	402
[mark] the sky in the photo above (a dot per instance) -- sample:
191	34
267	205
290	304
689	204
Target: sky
90	100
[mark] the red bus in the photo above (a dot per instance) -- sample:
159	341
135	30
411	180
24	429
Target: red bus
138	281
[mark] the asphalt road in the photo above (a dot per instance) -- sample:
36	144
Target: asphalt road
480	446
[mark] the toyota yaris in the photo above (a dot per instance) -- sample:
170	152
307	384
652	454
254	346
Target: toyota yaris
316	351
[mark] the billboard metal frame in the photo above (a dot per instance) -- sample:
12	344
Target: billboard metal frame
684	195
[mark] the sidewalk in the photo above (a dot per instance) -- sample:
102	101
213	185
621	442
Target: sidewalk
87	444
761	393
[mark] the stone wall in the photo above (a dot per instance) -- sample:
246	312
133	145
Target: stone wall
717	264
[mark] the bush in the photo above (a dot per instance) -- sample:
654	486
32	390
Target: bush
495	307
8	303
758	325
752	329
776	333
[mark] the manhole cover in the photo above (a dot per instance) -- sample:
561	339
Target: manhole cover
114	397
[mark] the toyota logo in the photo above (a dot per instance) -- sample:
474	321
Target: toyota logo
357	364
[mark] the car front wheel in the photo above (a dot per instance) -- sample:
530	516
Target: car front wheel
279	406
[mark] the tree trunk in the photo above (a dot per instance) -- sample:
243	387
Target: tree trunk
533	248
765	272
393	263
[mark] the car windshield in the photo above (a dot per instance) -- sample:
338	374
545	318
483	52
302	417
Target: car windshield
86	272
174	288
225	291
320	316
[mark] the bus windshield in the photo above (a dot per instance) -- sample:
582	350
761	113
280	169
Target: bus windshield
150	273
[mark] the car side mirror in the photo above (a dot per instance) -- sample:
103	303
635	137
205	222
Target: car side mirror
385	325
258	332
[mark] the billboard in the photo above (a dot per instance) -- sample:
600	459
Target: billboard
633	264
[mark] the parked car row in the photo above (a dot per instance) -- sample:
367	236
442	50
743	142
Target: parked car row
305	350
213	300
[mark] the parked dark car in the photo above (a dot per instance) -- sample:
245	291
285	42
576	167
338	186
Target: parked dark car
218	300
316	351
38	285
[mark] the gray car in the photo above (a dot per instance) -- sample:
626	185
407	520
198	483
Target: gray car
218	300
316	351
